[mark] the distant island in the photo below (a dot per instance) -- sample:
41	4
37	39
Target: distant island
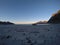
55	19
40	22
6	23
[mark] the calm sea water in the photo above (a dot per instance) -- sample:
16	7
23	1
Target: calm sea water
27	34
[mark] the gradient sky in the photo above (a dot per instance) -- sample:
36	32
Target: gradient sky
27	11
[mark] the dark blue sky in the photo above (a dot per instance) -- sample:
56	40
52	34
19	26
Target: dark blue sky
27	11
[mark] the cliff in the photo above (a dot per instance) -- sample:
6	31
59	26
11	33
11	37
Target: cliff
55	18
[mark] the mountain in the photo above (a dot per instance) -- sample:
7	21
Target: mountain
40	22
55	18
5	23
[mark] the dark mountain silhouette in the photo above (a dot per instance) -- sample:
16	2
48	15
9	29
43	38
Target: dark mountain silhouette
40	22
5	23
55	18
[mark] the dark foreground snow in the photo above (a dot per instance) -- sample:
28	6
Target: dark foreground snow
30	35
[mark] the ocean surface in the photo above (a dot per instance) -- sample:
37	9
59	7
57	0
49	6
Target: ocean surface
22	34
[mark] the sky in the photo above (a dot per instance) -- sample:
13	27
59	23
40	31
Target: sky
27	11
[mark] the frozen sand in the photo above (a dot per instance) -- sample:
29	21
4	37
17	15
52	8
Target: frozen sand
30	35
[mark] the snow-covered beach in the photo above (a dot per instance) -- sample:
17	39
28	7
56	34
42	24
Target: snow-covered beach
30	35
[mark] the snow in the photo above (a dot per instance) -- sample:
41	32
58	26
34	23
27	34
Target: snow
30	35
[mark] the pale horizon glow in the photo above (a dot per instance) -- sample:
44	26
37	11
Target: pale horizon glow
29	22
24	22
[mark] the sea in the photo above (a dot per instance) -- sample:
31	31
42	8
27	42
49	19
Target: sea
28	34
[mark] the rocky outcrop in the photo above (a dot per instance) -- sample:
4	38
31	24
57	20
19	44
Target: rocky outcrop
55	18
